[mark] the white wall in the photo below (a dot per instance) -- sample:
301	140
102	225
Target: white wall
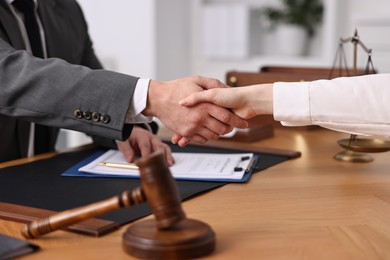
161	39
321	49
372	19
172	39
123	34
147	38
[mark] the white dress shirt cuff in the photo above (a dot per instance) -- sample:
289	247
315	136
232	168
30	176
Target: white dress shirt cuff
138	103
292	103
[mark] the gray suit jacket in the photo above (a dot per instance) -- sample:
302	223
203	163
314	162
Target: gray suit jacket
57	92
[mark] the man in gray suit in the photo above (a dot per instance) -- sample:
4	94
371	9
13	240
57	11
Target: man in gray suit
67	88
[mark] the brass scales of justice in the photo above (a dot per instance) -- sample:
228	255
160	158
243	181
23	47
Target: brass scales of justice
356	148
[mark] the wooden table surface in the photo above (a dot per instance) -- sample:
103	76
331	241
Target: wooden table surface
312	207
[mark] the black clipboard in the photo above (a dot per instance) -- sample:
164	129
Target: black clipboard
74	170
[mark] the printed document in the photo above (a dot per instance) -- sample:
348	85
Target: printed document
192	166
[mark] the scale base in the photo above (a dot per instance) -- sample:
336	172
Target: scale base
187	239
355	157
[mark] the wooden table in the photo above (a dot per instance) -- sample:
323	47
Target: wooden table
311	207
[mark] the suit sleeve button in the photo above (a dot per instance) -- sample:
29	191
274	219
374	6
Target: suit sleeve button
87	115
78	114
105	119
95	117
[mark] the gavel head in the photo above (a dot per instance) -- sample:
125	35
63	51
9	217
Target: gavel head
160	190
176	237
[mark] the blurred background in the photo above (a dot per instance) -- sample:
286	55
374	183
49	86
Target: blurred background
169	39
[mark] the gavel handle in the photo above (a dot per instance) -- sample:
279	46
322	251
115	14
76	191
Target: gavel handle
73	216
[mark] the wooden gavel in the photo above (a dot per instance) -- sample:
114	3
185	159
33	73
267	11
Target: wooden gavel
174	235
157	188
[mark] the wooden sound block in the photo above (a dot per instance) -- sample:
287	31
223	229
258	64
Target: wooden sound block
187	239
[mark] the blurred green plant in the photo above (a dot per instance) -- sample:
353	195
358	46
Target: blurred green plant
305	13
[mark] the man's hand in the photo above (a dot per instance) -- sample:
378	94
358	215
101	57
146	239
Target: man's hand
246	102
142	142
200	122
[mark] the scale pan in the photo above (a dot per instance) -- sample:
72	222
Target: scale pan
365	145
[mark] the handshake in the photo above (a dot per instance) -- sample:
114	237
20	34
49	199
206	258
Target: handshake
199	109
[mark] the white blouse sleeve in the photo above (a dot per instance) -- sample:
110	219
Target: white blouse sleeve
356	105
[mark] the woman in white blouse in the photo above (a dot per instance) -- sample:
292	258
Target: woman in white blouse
356	105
